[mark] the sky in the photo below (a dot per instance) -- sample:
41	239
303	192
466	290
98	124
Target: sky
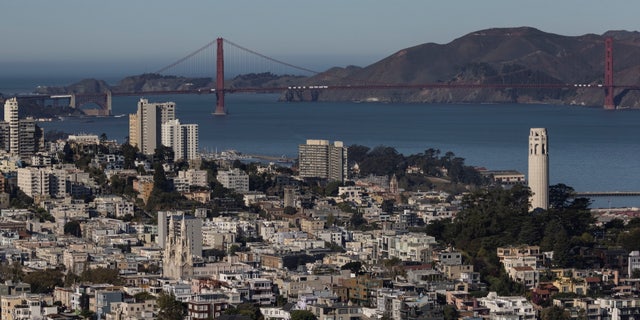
124	37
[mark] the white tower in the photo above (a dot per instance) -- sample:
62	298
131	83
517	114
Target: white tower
539	168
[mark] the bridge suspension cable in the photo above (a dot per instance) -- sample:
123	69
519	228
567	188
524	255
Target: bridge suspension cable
269	58
183	59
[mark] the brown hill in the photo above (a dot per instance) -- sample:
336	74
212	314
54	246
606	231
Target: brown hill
504	55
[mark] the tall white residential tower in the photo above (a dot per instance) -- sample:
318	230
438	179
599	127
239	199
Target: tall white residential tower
11	117
539	168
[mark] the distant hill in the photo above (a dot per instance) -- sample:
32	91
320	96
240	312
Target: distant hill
158	82
504	55
500	55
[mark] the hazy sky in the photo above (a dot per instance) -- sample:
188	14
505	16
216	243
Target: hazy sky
130	36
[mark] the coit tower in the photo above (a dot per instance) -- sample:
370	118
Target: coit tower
539	168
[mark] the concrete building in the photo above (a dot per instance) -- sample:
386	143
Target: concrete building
539	168
19	137
11	117
182	138
515	306
145	127
234	179
320	159
33	181
634	262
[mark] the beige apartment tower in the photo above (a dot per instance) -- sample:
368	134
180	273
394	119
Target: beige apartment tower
321	159
539	168
11	117
145	126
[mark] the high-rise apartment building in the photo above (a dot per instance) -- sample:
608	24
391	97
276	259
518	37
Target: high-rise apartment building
182	138
320	159
539	168
21	137
11	117
145	127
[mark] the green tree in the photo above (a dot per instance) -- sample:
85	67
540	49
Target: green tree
331	190
169	308
73	228
357	153
11	271
143	296
387	206
129	153
44	281
101	275
303	315
246	309
160	182
354	266
450	312
554	313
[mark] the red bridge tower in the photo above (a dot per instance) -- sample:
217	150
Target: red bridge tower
220	80
609	102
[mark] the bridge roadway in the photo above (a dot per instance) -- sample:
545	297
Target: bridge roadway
608	194
350	87
386	86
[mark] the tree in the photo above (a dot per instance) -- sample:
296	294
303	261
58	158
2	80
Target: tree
73	228
331	190
354	266
44	281
450	312
303	315
387	206
160	182
246	309
357	153
169	308
143	296
129	153
101	275
554	313
11	271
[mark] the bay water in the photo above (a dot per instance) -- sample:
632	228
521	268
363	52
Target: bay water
590	149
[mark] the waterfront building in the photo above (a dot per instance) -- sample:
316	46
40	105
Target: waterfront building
182	138
145	127
320	159
539	168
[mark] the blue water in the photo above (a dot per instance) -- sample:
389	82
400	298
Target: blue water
590	149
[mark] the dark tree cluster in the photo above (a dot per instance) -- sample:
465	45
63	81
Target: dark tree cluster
387	161
496	217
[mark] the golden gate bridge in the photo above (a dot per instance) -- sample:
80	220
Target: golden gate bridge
202	60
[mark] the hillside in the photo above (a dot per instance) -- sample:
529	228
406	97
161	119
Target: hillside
506	55
500	55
